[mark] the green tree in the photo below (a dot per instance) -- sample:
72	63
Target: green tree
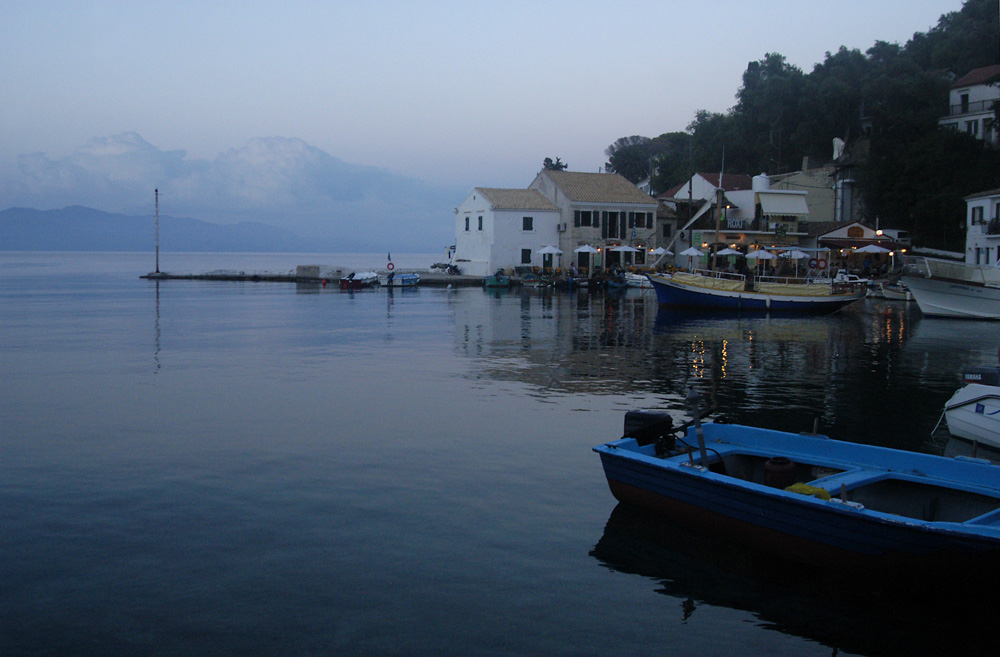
549	165
631	157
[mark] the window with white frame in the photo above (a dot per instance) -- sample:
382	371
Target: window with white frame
527	223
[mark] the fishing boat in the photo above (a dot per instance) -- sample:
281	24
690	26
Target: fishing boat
943	288
358	280
973	412
808	497
392	279
728	291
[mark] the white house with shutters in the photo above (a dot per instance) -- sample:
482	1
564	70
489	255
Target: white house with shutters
504	228
982	228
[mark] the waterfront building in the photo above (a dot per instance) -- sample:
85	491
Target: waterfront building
504	228
982	228
970	104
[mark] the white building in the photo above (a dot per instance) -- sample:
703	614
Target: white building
503	228
602	210
970	104
982	228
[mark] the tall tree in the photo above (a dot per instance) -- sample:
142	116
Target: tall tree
630	157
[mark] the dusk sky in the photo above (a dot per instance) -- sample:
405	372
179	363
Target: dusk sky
455	94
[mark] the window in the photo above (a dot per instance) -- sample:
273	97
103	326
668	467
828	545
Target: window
666	230
467	223
585	217
977	215
480	223
972	127
963	102
527	223
525	256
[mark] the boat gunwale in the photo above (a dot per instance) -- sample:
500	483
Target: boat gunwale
680	465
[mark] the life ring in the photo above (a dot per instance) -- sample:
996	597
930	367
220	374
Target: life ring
821	263
390	266
812	264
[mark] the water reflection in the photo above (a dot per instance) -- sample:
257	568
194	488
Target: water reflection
827	606
877	372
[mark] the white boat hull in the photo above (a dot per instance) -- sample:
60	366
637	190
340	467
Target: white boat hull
973	413
944	289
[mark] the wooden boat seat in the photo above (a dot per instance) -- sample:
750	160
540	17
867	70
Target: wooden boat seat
849	478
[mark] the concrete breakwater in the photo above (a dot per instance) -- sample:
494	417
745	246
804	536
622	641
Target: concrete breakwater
314	275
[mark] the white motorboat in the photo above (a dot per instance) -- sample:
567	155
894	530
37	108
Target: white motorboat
637	280
953	289
973	413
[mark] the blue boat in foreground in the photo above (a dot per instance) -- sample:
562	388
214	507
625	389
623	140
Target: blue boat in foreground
808	497
726	291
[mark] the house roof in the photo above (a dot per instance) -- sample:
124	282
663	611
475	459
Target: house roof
991	192
598	188
516	199
731	182
978	76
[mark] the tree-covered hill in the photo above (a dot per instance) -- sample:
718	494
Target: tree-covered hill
884	102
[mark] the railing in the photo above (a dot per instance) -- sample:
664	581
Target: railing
970	108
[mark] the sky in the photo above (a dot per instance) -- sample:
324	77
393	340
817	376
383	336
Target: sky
456	94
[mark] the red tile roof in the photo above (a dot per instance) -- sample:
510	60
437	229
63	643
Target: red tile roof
978	76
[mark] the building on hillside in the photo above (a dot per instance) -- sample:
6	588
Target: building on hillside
751	214
604	211
504	228
982	228
970	104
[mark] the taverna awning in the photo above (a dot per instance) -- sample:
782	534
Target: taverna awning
783	203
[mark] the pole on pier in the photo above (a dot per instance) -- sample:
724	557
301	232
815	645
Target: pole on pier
157	193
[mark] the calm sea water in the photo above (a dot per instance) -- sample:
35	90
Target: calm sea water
201	468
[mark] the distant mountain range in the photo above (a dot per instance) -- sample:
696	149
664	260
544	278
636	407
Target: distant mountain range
77	228
272	194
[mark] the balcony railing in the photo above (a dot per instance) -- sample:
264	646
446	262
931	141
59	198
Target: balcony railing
970	108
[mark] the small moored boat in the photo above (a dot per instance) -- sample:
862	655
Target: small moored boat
392	279
358	280
808	497
973	412
498	279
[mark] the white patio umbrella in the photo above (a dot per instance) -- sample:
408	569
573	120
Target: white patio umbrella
691	252
626	249
760	254
796	255
550	250
660	251
872	248
588	249
728	252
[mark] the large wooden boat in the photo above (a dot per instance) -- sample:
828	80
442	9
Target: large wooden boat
725	291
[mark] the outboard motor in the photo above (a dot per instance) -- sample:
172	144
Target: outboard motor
651	427
988	376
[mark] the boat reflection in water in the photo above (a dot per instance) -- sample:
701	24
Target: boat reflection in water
825	605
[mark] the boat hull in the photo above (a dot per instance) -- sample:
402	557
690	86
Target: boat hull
973	413
940	297
675	293
807	528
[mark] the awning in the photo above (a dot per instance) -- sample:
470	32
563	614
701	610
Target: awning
775	203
